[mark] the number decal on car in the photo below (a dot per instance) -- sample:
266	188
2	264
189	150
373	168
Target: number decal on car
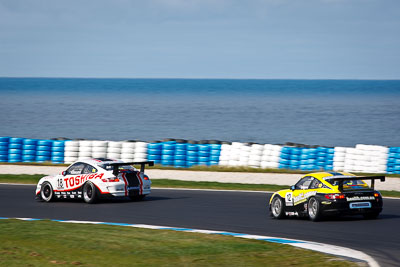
289	199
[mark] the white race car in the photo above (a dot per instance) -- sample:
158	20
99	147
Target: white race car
93	179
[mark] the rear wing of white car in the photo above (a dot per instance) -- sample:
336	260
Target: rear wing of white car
141	163
343	178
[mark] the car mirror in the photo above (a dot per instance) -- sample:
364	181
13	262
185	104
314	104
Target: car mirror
292	188
64	173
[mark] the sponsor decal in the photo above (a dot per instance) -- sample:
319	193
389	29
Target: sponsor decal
75	181
303	197
357	198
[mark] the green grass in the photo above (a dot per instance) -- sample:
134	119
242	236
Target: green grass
164	183
46	243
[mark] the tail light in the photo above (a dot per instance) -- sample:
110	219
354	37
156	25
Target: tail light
376	194
111	179
334	196
146	177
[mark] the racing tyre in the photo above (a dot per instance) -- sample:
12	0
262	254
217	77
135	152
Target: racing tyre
46	192
277	208
314	210
371	216
89	193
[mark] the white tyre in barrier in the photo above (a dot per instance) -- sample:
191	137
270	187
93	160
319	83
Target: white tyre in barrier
340	149
224	158
338	158
83	158
339	154
274	164
274	159
267	152
223	162
70	159
127	159
225	147
99	149
127	155
254	163
265	158
236	145
234	157
112	155
84	154
99	143
127	150
130	145
84	143
225	153
71	144
114	144
114	150
140	159
245	148
85	149
256	152
99	154
245	154
141	144
257	147
255	158
71	154
268	147
275	153
140	155
338	169
233	163
338	164
71	148
141	149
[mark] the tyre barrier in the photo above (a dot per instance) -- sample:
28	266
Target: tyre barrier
183	154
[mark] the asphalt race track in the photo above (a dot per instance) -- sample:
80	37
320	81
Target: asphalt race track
240	212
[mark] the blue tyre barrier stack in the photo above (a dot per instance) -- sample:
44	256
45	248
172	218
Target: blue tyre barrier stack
4	143
168	153
215	152
15	149
43	150
393	164
192	155
154	151
204	154
29	150
180	155
57	152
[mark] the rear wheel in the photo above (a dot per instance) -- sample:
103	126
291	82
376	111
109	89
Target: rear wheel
89	193
314	210
46	192
277	208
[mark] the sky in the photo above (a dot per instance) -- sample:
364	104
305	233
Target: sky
239	39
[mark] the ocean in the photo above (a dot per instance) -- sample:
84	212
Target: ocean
314	112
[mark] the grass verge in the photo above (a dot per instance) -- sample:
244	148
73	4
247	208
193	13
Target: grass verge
46	243
168	183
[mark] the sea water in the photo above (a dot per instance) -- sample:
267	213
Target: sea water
319	112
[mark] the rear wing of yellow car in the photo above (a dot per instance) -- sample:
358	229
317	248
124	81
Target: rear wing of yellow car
141	163
343	178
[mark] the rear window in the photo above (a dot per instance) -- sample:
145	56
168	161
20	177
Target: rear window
350	184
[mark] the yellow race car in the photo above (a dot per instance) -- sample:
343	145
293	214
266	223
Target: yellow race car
328	193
